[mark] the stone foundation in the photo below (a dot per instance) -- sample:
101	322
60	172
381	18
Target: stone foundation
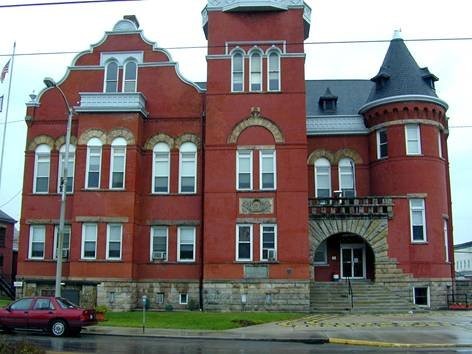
256	295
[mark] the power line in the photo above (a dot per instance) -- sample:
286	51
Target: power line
367	41
12	198
76	2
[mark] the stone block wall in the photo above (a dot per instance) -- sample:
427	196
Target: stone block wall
257	295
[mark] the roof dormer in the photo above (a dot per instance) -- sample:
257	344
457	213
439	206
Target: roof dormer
328	102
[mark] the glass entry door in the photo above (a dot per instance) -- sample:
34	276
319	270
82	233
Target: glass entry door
353	261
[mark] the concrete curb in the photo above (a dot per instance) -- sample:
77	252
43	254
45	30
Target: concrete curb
371	343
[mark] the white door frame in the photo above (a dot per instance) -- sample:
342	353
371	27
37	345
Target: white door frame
352	246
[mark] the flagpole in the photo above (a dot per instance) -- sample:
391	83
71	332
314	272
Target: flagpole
6	113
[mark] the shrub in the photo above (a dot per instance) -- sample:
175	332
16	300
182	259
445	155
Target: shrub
192	305
19	348
169	307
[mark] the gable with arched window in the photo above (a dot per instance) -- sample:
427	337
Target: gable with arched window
70	168
111	76
130	76
42	162
118	163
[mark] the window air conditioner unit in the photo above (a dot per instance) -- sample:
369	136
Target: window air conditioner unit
271	255
156	255
65	253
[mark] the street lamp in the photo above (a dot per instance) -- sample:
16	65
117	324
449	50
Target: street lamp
50	83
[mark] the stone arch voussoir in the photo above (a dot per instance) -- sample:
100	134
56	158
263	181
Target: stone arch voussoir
39	140
121	133
159	138
187	138
320	153
256	121
62	140
350	153
92	133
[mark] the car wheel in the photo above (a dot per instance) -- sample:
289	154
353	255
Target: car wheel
58	328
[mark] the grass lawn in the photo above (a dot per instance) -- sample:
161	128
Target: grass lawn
195	320
5	301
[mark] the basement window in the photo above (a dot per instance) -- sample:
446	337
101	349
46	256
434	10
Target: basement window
421	295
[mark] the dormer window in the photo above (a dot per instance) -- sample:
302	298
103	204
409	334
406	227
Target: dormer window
328	102
381	78
429	78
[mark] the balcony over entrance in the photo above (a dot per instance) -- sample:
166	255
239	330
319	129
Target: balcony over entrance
373	207
112	102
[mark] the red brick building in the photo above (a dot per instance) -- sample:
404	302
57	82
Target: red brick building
7	259
253	190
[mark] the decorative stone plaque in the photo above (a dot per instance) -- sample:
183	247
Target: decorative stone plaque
256	271
256	205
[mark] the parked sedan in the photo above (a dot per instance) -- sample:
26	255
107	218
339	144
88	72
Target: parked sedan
54	314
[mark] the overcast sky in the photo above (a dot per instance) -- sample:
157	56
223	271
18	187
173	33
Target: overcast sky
177	23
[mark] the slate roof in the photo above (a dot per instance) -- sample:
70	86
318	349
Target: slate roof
6	218
401	75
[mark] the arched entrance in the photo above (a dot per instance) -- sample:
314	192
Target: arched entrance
342	256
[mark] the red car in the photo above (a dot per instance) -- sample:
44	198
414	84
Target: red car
54	314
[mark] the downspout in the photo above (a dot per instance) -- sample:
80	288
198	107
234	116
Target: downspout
202	202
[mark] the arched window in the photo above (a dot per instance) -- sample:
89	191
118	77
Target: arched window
41	169
273	71
130	76
255	64
237	72
70	168
188	168
161	168
118	163
322	178
111	77
347	178
94	163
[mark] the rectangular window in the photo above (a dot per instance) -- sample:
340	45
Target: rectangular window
321	254
160	298
421	296
237	76
417	220
41	172
440	145
413	140
159	236
183	298
244	242
268	242
94	161
186	244
188	171
114	241
244	170
256	72
274	72
70	170
89	241
161	172
118	161
382	144
65	241
267	169
37	241
446	240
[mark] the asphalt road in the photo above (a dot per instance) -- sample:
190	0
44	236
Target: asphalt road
132	345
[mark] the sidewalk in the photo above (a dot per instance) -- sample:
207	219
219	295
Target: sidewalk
430	329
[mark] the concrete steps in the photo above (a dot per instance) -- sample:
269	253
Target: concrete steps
367	297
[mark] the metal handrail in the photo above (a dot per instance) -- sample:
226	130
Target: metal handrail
350	293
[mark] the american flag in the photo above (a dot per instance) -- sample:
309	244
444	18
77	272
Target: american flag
4	71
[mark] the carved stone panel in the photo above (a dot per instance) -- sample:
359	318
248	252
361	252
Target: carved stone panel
256	205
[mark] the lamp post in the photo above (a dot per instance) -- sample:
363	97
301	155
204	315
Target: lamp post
63	187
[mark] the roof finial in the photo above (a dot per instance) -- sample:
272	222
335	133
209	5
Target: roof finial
397	34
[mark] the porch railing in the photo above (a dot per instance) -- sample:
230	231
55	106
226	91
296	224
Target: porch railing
350	207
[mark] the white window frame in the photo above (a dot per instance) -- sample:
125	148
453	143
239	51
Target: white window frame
421	209
350	163
160	154
70	167
133	81
180	298
252	61
428	296
238	226
117	145
93	143
324	249
179	243
151	246
106	80
408	138
187	149
446	239
265	153
41	228
84	228
275	250
67	233
244	154
271	70
109	226
380	144
322	162
233	72
42	155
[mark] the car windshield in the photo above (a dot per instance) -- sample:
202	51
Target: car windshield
65	304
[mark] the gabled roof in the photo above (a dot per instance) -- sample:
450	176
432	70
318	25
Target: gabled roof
463	245
6	218
400	75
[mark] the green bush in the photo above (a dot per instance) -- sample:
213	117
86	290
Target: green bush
192	305
169	307
19	348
